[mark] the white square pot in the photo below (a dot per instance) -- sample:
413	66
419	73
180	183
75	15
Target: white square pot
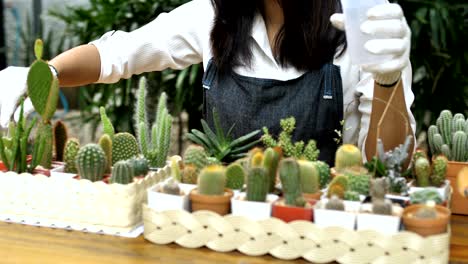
325	218
59	173
159	201
253	210
443	191
385	224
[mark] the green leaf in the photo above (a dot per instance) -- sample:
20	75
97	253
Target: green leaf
43	89
211	135
244	138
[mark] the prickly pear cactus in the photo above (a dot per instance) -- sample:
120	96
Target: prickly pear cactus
347	156
212	180
122	173
124	147
106	144
91	162
60	138
71	150
235	176
439	170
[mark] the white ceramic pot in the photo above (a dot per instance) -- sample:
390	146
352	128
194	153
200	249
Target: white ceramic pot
443	191
254	210
385	224
163	202
325	218
59	172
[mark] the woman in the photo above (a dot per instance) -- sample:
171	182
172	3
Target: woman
264	60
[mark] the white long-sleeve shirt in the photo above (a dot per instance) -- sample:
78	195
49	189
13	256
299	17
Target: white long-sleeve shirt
182	37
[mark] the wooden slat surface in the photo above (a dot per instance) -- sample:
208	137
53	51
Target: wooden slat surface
26	244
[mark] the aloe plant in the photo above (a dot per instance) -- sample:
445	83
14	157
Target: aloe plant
219	144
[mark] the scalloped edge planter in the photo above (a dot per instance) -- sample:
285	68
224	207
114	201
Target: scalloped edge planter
385	224
252	210
326	218
75	204
444	190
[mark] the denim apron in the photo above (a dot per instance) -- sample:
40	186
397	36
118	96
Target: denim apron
315	99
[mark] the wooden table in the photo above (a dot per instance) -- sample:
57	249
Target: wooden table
27	244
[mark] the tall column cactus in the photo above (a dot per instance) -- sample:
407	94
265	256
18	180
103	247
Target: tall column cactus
291	182
71	150
270	163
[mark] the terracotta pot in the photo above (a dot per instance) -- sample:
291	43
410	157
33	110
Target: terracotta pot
459	203
3	167
219	204
290	213
426	227
312	196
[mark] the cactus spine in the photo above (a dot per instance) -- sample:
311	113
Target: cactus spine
290	179
235	176
439	170
124	147
257	184
91	162
71	150
122	173
212	180
423	171
270	163
335	204
106	144
60	138
310	178
347	156
459	146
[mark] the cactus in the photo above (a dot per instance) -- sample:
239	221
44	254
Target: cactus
382	206
270	163
445	126
196	155
358	183
140	166
340	180
141	118
60	138
91	162
107	126
124	147
347	156
171	187
122	172
439	170
324	172
106	144
190	174
336	190
423	171
379	187
212	180
257	184
290	180
309	175
235	176
335	204
445	150
431	132
71	150
43	146
427	212
351	196
427	194
459	146
175	170
257	160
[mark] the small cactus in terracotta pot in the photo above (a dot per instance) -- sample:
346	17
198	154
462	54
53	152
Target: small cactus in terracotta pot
426	219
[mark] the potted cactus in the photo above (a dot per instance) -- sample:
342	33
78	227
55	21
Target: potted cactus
346	156
334	212
381	214
91	162
310	180
255	203
292	206
210	193
426	219
427	194
433	176
449	138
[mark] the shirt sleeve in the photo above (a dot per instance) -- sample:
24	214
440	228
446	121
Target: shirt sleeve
366	87
172	40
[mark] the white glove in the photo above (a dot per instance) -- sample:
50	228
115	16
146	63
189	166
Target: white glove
392	36
12	88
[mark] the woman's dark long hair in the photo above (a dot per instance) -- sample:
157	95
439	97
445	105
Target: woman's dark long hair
306	41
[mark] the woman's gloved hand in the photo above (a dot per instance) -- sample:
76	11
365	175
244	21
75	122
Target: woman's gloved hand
12	88
392	36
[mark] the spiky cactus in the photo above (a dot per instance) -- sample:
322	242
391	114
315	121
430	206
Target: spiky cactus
171	187
140	166
336	190
212	180
257	160
107	126
324	172
459	146
60	138
424	195
122	173
382	206
335	204
439	170
91	162
190	174
351	196
270	163
290	180
427	212
196	155
124	147
347	156
257	184
358	182
106	144
235	176
310	178
71	150
422	169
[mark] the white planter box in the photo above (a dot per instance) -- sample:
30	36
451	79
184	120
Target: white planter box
443	191
60	173
253	210
385	224
325	218
160	202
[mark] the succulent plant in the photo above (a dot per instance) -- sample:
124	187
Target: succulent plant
196	155
257	184
212	180
71	150
270	163
309	175
449	136
235	176
122	172
43	144
358	182
140	166
422	170
290	180
324	172
219	144
91	162
439	171
347	156
334	203
428	211
190	174
298	149
382	206
427	194
351	196
60	138
124	147
106	144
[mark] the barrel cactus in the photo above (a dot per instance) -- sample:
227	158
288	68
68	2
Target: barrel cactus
71	150
196	155
449	136
91	162
289	173
235	176
122	172
124	147
347	156
257	184
310	178
439	170
422	170
212	180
